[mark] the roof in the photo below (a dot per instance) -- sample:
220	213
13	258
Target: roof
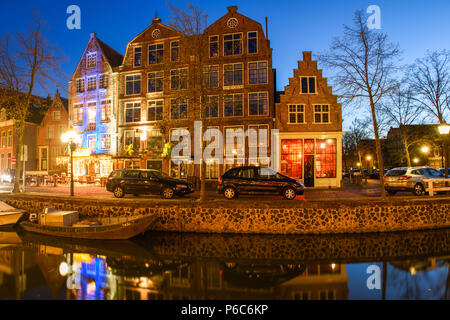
114	58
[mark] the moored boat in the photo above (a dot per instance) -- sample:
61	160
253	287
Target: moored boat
125	229
9	216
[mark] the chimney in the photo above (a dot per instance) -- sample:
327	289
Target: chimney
93	35
156	20
232	9
307	55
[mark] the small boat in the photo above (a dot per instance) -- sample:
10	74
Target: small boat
125	228
9	215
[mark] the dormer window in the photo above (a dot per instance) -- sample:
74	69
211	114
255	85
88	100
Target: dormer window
308	84
91	60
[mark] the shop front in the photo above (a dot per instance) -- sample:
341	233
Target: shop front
315	159
89	167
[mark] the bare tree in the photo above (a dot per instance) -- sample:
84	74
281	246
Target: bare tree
357	131
27	62
364	62
401	111
192	22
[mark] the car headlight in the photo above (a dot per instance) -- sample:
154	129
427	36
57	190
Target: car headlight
300	184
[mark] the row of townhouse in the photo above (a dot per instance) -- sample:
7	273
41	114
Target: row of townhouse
128	108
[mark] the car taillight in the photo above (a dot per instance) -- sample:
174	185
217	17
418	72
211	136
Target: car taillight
220	180
110	175
403	178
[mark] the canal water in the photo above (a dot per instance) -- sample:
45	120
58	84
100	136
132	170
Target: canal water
174	266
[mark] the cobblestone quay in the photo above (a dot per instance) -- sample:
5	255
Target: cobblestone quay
261	217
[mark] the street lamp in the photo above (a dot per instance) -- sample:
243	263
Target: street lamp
444	130
425	149
70	137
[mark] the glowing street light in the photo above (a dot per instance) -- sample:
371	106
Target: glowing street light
416	160
70	137
425	149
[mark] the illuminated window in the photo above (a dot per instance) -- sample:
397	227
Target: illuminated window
212	107
213	46
92	83
105	110
155	53
178	109
258	104
155	110
326	158
137	56
49	134
308	84
211	76
252	41
92	143
133	84
212	169
233	105
133	112
132	138
232	44
292	158
296	114
9	138
155	81
321	113
4	138
232	74
80	85
175	50
257	72
78	114
91	60
178	79
56	115
103	81
92	119
105	141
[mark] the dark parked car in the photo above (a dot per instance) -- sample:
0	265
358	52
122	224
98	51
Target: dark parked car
442	170
139	181
258	180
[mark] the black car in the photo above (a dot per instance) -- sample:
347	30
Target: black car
258	180
140	181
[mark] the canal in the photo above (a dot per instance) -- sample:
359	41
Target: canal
168	266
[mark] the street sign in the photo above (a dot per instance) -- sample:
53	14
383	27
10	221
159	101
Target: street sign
25	153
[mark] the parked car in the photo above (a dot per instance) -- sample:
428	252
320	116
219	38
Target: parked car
411	179
442	170
258	180
140	181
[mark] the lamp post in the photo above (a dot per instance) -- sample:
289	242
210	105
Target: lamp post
444	130
70	138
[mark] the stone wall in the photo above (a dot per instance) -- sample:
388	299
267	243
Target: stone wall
327	217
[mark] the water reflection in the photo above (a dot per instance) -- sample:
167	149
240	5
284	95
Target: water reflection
199	266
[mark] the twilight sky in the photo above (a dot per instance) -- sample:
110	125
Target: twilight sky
294	26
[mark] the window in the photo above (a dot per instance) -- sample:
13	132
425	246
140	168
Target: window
56	115
91	60
257	72
308	84
133	112
155	110
105	110
326	158
103	81
211	76
232	44
80	85
9	161
133	84
178	108
257	104
321	113
155	81
212	107
178	79
10	138
105	141
212	169
92	83
137	56
252	42
292	155
4	139
258	135
213	46
232	74
175	50
155	53
49	134
92	119
78	114
154	144
233	105
132	138
92	143
247	173
296	113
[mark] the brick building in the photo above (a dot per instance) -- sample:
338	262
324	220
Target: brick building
93	108
309	120
49	144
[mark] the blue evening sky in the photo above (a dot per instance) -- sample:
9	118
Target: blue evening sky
294	26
